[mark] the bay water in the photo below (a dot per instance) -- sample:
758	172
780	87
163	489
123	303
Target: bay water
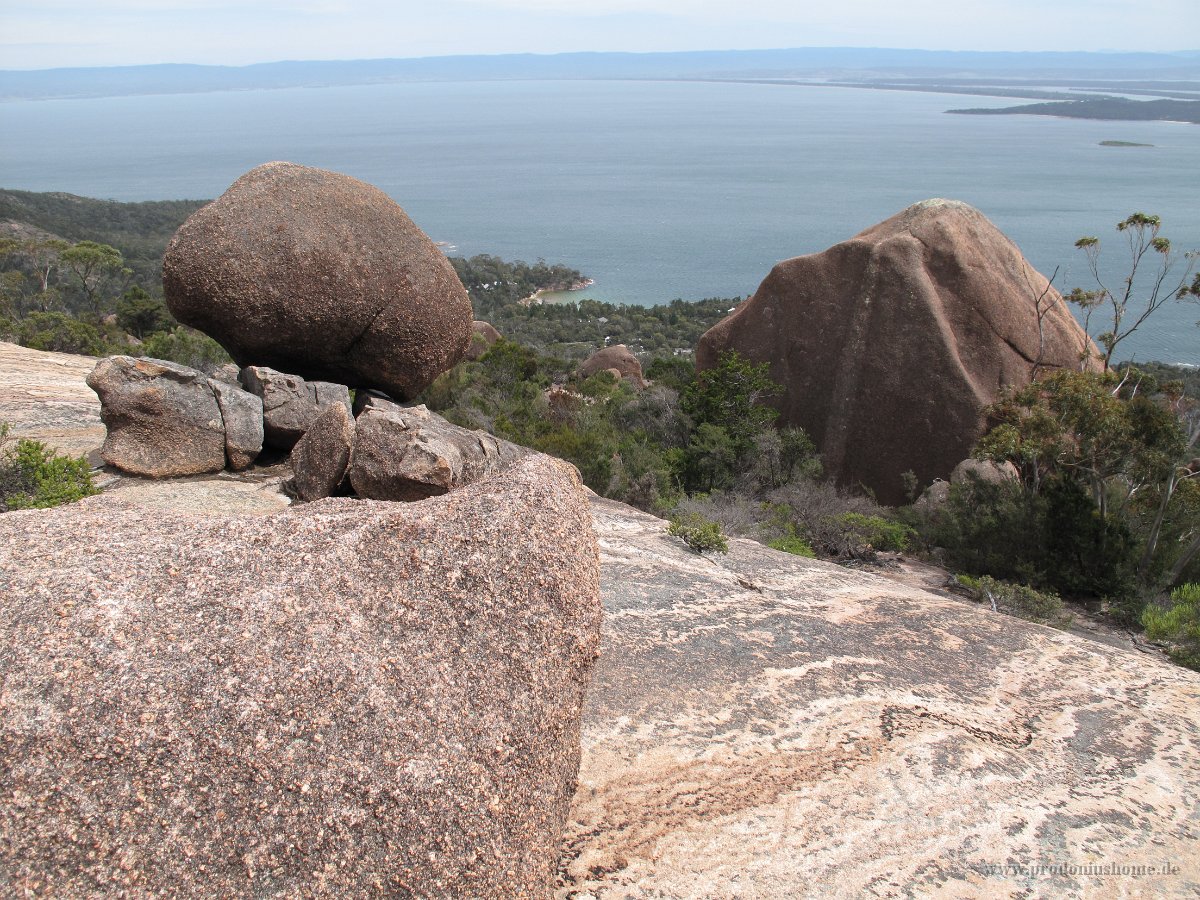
656	190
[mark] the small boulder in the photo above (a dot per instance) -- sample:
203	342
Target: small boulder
242	413
320	458
934	496
483	336
410	454
971	469
367	399
620	359
163	419
290	404
317	273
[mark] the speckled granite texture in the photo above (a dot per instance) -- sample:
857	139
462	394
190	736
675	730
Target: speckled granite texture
320	275
347	699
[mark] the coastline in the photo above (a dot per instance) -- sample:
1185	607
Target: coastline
536	298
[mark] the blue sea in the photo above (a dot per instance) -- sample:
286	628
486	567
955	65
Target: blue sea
656	190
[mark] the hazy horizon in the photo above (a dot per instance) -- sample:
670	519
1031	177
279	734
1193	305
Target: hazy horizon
1184	54
69	33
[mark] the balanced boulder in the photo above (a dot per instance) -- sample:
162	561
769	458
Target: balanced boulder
163	419
319	274
619	358
889	346
290	404
347	699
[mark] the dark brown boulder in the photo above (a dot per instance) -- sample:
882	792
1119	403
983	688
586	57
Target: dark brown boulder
347	699
319	274
483	336
890	344
320	458
617	357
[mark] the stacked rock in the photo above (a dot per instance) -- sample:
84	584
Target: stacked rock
323	277
360	698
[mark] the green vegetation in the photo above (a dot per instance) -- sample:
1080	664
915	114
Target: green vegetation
699	533
1018	600
63	289
861	535
1113	108
139	231
1142	292
792	543
1178	624
493	283
185	346
693	445
1107	504
34	477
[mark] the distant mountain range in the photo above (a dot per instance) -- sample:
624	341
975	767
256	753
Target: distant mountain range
811	63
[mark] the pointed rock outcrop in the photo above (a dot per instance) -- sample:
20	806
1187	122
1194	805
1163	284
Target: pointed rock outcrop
889	345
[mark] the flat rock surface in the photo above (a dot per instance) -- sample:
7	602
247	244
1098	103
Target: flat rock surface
44	397
765	726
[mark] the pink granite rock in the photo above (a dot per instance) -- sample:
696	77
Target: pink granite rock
348	699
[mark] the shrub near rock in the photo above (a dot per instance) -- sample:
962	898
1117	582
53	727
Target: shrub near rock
32	476
698	533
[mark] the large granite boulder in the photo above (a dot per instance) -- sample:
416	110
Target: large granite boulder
619	358
890	344
348	699
290	403
163	419
316	273
410	453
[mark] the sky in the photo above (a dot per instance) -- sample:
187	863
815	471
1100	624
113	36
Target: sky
37	34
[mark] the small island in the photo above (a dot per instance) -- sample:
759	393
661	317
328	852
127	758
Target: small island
1123	144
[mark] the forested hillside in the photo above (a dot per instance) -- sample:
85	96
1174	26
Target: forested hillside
139	230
